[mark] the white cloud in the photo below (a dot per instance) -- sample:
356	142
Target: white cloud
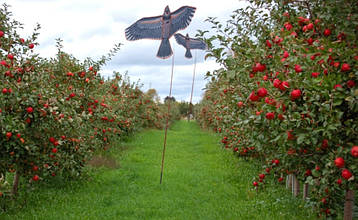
90	28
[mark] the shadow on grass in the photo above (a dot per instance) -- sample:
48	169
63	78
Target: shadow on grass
105	161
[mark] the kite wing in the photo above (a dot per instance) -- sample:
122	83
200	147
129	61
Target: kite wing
197	44
145	28
180	39
181	18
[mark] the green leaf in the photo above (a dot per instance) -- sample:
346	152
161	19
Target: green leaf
301	138
316	173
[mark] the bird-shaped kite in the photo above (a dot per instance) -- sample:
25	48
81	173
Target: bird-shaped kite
190	43
161	28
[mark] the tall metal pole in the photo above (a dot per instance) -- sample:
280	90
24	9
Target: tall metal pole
192	90
167	121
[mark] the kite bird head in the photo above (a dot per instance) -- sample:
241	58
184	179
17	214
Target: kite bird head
166	11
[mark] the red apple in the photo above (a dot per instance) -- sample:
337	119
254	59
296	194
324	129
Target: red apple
253	97
288	26
270	115
35	178
295	94
285	54
327	32
52	139
35	168
354	151
339	162
259	67
337	86
310	41
290	136
315	74
268	44
29	110
8	134
284	85
351	83
308	172
261	92
345	67
298	68
310	26
346	174
276	83
281	117
324	144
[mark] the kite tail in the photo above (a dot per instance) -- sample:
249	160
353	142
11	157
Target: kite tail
188	54
165	49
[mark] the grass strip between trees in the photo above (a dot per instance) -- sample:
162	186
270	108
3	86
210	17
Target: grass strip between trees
201	181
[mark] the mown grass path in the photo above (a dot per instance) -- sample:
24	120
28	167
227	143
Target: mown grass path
201	181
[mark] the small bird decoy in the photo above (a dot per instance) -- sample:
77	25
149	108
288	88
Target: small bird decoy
190	43
161	28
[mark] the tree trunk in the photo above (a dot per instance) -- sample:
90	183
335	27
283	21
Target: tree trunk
305	191
348	205
15	185
3	176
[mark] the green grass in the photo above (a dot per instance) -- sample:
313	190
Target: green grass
201	181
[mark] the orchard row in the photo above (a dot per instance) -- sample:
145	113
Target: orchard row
287	94
56	113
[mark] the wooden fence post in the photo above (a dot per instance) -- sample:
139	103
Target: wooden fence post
289	181
295	186
348	205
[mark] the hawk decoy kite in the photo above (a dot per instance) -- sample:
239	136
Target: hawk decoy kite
190	43
161	28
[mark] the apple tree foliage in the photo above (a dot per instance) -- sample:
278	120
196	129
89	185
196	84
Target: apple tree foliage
287	92
56	112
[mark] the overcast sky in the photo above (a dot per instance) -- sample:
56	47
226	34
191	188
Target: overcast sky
90	28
